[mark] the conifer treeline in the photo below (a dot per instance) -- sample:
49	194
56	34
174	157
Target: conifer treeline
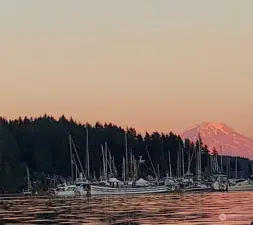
42	145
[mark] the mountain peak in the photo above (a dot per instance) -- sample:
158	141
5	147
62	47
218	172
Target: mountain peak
211	124
219	135
215	127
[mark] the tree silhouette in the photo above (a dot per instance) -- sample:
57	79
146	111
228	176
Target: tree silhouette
42	145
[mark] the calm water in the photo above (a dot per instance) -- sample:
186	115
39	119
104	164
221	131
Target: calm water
200	209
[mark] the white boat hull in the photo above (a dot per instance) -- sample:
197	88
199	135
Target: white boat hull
197	189
98	190
72	193
65	193
241	188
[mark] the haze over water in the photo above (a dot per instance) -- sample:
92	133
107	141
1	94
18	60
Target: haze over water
154	65
181	209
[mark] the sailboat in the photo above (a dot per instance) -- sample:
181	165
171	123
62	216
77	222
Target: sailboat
245	185
240	185
79	186
113	186
117	187
197	185
220	180
169	180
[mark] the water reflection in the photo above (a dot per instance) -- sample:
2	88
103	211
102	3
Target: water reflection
199	209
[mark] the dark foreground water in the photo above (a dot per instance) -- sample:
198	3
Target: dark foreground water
199	209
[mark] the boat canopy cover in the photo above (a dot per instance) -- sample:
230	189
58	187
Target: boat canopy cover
141	181
114	180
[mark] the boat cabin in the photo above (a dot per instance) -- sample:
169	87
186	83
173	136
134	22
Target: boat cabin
114	182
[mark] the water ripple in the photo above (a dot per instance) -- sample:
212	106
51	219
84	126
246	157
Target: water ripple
182	209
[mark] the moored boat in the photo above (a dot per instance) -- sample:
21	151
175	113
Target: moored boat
117	187
245	185
67	190
79	188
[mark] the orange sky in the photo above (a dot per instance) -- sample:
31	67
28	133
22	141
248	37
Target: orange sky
154	65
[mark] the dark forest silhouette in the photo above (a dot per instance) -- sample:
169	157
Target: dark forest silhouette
42	145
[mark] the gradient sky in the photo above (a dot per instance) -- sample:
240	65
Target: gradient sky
154	65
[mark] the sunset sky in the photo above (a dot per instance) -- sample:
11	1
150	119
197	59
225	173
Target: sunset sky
151	64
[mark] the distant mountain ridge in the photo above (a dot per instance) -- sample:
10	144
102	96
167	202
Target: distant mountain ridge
218	135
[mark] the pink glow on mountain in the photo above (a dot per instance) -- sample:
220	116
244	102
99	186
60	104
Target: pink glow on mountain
223	138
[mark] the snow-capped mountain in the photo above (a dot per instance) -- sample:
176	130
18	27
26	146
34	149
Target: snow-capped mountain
222	137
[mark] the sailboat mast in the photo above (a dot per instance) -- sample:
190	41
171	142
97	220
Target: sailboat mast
126	162
158	172
221	158
103	158
135	168
228	167
199	158
71	159
106	162
170	172
182	161
76	171
131	163
189	160
124	170
28	179
151	163
110	163
179	158
87	153
178	174
236	167
74	161
94	175
217	164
